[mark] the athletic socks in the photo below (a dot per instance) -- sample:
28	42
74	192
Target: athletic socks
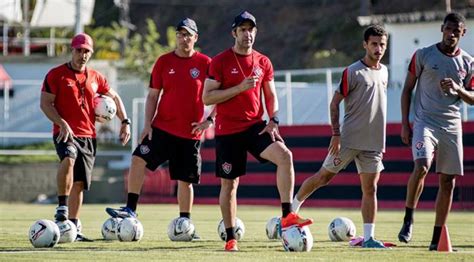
295	206
285	209
62	200
436	235
369	229
230	233
408	215
185	214
132	200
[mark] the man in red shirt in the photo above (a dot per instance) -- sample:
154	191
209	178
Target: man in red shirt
236	81
174	125
67	100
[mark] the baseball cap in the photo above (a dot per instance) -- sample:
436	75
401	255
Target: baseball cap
189	25
242	17
82	40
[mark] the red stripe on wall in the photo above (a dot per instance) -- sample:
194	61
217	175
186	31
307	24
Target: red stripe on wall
310	203
341	179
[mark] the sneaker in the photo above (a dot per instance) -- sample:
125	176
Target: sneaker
405	232
196	236
81	238
294	219
62	213
231	245
433	247
372	243
122	212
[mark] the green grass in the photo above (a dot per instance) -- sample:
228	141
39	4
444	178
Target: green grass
15	220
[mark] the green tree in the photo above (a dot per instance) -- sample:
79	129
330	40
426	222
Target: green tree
142	50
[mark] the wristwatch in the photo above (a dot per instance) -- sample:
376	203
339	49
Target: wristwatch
275	120
126	121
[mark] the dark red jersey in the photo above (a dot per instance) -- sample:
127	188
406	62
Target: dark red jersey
182	82
230	69
74	93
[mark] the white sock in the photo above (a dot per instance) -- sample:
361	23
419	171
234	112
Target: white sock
296	204
369	229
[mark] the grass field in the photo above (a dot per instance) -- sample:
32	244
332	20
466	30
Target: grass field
15	220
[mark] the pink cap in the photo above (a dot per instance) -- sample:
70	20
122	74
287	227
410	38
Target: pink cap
82	40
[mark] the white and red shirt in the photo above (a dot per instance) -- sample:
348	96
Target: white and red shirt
182	82
432	106
74	93
365	107
245	109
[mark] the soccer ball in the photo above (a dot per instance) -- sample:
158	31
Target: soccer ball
297	239
181	229
273	228
109	228
105	108
341	229
129	229
44	233
67	231
239	229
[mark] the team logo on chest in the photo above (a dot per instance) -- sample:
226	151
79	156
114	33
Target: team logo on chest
234	71
194	72
227	167
70	84
257	71
171	72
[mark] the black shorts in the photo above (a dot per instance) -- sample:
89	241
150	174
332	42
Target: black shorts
83	150
183	155
231	150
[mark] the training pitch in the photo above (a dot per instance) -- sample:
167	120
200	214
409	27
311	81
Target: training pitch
15	220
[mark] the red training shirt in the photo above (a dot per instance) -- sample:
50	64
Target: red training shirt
182	82
74	93
240	112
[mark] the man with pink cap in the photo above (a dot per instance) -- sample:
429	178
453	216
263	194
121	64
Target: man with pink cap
67	100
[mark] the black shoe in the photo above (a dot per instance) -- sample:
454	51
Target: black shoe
81	238
62	213
405	232
433	247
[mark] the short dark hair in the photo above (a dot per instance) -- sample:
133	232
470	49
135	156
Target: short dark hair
374	30
455	18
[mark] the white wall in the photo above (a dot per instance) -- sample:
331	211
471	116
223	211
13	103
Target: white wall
406	38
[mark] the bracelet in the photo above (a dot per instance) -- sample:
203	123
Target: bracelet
210	119
126	121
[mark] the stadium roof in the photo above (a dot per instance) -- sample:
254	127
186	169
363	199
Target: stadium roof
413	17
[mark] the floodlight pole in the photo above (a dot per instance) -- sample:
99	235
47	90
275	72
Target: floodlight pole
448	6
26	24
78	27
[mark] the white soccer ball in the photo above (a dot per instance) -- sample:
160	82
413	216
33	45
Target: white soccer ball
181	229
44	233
105	108
239	229
67	231
297	239
109	228
129	229
273	228
341	229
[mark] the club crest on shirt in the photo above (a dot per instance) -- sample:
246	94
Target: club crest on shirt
94	86
171	72
194	72
257	71
227	167
419	145
462	73
337	161
234	71
144	149
70	84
